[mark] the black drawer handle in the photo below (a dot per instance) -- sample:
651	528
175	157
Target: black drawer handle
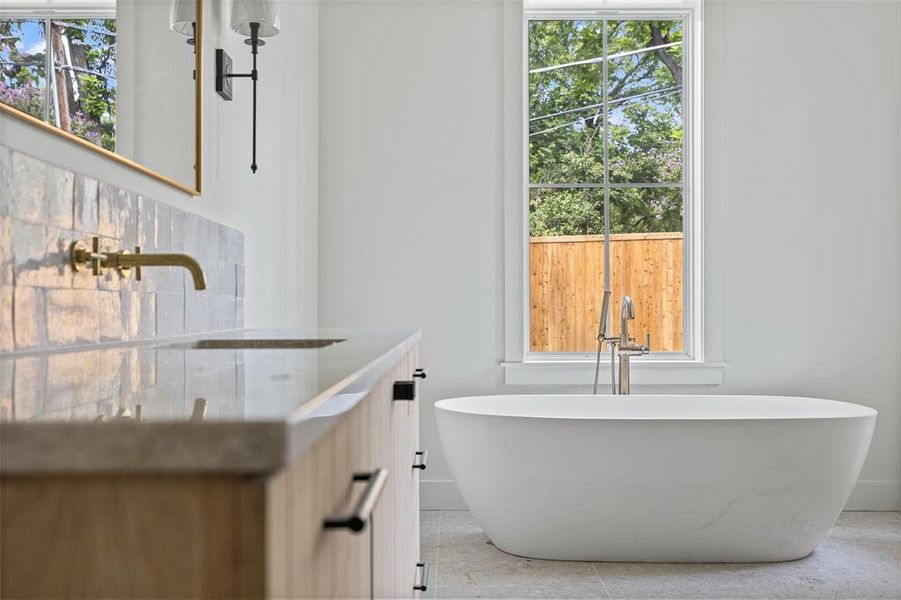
419	459
363	510
405	390
424	581
420	373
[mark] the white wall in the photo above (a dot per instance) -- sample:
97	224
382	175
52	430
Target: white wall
411	189
278	207
804	208
803	199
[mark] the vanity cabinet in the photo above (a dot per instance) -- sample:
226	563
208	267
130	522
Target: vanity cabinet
310	561
215	536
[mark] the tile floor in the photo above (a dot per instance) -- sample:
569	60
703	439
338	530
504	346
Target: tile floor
860	559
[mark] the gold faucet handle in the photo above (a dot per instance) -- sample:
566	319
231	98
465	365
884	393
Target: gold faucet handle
137	267
80	255
97	256
199	411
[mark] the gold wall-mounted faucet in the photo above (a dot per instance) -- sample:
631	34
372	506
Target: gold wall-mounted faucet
123	261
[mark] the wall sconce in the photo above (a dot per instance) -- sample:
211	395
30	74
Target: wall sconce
183	20
253	19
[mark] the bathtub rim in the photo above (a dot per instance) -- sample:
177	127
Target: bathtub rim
863	411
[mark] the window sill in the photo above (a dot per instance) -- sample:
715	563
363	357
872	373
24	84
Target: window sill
645	371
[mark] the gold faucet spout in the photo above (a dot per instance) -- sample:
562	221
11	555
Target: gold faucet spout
99	259
124	261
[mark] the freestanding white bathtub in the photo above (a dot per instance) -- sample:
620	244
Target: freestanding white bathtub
655	478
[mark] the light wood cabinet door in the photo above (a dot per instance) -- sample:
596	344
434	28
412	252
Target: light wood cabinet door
308	561
396	550
126	536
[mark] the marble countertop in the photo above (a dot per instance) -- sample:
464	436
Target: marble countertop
165	406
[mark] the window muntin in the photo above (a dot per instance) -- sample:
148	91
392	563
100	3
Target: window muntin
606	103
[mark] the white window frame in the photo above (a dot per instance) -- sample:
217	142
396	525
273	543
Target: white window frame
697	364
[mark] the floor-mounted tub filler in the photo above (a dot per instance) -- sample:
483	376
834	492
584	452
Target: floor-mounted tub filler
655	478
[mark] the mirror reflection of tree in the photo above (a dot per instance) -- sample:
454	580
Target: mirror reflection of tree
23	66
81	94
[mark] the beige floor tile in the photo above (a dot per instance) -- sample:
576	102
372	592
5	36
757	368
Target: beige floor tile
860	559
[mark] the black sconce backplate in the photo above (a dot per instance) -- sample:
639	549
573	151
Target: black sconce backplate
223	70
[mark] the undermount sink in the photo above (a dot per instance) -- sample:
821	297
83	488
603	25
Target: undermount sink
251	344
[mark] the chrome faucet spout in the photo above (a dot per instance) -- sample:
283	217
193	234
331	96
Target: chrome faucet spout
626	314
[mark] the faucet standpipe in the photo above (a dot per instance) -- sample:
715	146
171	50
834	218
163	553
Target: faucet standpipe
627	346
622	345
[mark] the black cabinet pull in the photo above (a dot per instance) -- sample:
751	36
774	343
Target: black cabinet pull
419	459
420	373
405	390
424	580
363	509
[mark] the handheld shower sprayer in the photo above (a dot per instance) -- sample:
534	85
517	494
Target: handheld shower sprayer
605	308
603	336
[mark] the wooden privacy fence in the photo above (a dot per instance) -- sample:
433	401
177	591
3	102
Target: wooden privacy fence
566	284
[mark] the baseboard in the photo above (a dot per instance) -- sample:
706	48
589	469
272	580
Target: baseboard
875	495
868	495
440	495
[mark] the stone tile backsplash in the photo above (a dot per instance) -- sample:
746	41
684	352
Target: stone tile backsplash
45	305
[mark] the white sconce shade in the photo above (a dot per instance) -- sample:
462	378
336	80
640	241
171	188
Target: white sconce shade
264	12
182	15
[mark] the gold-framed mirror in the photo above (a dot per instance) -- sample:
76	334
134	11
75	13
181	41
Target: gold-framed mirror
122	78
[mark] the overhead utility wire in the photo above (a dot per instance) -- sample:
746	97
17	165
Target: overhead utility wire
599	59
599	104
84	71
598	114
565	112
549	129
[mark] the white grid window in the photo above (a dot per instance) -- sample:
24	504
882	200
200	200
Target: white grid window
610	131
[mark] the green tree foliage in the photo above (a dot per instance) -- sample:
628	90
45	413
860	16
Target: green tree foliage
93	56
567	125
21	73
86	74
566	212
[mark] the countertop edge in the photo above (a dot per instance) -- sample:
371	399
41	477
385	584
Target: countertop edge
158	448
315	418
182	448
